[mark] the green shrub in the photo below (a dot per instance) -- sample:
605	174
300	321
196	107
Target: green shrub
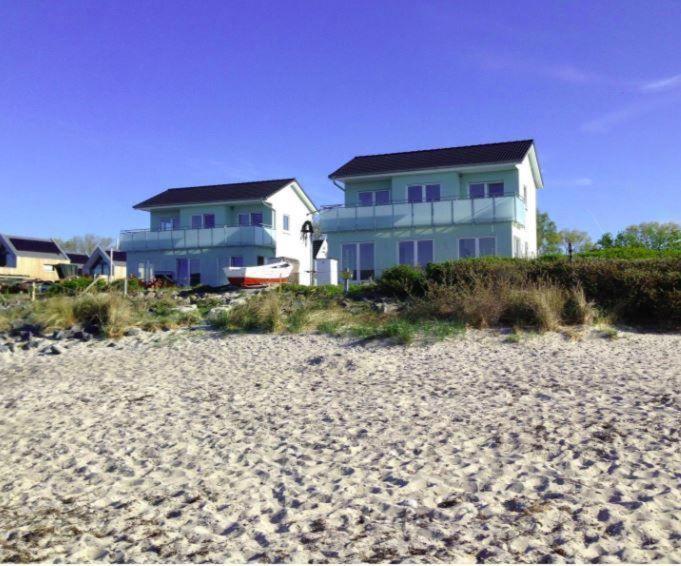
403	281
111	312
72	286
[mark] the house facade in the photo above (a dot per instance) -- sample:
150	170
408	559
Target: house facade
30	258
195	232
105	263
434	205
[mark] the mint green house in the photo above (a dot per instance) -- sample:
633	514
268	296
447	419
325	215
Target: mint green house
194	233
434	205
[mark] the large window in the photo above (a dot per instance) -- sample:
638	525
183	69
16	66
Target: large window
244	219
372	198
482	190
209	220
197	221
359	259
415	252
256	218
168	223
423	193
477	247
252	219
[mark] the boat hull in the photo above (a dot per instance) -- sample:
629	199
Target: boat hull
259	275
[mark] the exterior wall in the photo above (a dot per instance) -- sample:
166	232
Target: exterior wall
289	243
225	215
452	184
212	261
526	180
445	241
34	267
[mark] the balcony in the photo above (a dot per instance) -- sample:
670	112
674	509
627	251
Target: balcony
196	238
507	208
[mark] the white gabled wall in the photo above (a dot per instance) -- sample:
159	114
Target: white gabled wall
289	243
529	233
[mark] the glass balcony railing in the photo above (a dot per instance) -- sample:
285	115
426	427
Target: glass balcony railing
508	208
184	238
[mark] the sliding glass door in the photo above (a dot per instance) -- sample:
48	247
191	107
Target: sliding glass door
358	258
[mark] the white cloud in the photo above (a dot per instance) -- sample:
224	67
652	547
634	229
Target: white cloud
658	85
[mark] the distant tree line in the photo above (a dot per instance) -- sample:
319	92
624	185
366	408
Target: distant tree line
653	236
85	244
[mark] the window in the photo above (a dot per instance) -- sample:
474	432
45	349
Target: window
209	220
432	193
415	193
477	190
362	269
482	190
168	223
415	252
382	197
477	247
261	260
366	199
197	221
256	218
371	198
244	219
486	247
285	222
236	261
406	255
466	248
424	252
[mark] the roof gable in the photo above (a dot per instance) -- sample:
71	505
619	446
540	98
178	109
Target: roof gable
513	151
254	190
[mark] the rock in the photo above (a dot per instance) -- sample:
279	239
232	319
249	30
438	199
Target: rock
409	503
216	312
31	345
603	515
315	361
85	336
186	308
55	350
615	529
134	331
57	335
385	307
4	348
25	335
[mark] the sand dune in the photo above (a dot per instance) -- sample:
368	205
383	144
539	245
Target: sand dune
199	447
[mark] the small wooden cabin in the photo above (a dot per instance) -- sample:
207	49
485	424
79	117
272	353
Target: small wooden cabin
30	258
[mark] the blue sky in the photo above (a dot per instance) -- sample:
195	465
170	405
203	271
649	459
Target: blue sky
103	104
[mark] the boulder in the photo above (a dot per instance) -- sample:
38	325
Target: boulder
134	331
186	308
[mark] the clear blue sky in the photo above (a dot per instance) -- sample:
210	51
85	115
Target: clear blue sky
103	104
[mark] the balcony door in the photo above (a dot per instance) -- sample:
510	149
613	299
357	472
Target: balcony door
358	258
188	272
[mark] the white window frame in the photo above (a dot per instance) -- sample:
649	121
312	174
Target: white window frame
423	191
477	245
486	185
358	267
415	250
286	222
373	197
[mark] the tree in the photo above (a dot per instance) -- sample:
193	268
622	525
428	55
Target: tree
580	240
548	238
606	241
651	235
85	244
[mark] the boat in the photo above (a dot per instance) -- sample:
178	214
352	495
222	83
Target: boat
259	275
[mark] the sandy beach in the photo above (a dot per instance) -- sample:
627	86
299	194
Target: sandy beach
191	446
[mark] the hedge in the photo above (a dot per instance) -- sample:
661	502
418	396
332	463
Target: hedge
643	292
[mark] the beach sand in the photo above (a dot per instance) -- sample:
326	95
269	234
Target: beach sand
191	446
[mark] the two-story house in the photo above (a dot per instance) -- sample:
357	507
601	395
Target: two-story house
434	205
195	232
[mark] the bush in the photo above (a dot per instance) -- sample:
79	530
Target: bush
639	292
73	286
403	281
110	312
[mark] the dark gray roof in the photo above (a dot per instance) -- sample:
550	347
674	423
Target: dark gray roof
513	151
34	245
254	190
77	258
